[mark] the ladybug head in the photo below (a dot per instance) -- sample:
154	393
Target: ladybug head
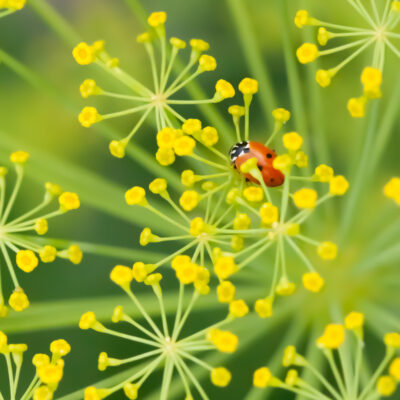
238	149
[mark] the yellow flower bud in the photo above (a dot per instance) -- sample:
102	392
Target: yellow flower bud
136	196
238	308
248	86
313	282
83	54
157	18
333	336
189	200
338	185
307	53
69	201
18	300
220	377
305	198
89	116
27	260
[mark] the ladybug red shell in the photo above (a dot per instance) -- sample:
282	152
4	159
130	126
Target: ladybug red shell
243	151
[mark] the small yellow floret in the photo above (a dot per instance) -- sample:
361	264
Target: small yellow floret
140	271
224	267
207	63
18	300
41	226
333	336
253	194
354	320
220	377
92	393
338	185
285	287
19	157
323	173
282	162
305	198
27	260
89	88
264	307
371	78
394	369
184	146
392	190
313	281
302	18
241	222
166	137
292	141
269	213
327	250
191	126
238	308
48	254
224	341
178	43
323	36
248	86
187	273
69	201
165	156
89	116
158	186
60	347
136	196
324	77
84	54
209	136
261	378
43	393
226	292
117	148
131	390
281	115
307	53
392	340
157	18
356	107
199	45
386	386
188	178
74	254
121	275
189	200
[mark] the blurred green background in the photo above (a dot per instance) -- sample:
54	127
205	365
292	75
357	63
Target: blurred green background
42	119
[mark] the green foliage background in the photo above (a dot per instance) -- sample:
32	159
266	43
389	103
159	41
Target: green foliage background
38	113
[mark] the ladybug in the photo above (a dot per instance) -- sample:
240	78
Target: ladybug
243	151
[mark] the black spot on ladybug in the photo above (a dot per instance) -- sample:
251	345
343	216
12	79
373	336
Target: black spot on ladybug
272	179
260	167
269	155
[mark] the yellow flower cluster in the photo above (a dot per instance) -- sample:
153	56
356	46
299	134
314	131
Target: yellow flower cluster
9	6
379	35
49	372
347	380
249	202
27	251
168	348
160	100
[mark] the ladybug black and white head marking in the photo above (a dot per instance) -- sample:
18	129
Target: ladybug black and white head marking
239	149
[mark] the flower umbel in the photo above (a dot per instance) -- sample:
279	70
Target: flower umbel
345	369
13	231
167	348
240	185
159	100
49	371
380	35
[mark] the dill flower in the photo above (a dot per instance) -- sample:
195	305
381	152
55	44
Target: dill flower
49	371
240	184
345	368
10	6
169	350
158	101
392	190
379	37
13	236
